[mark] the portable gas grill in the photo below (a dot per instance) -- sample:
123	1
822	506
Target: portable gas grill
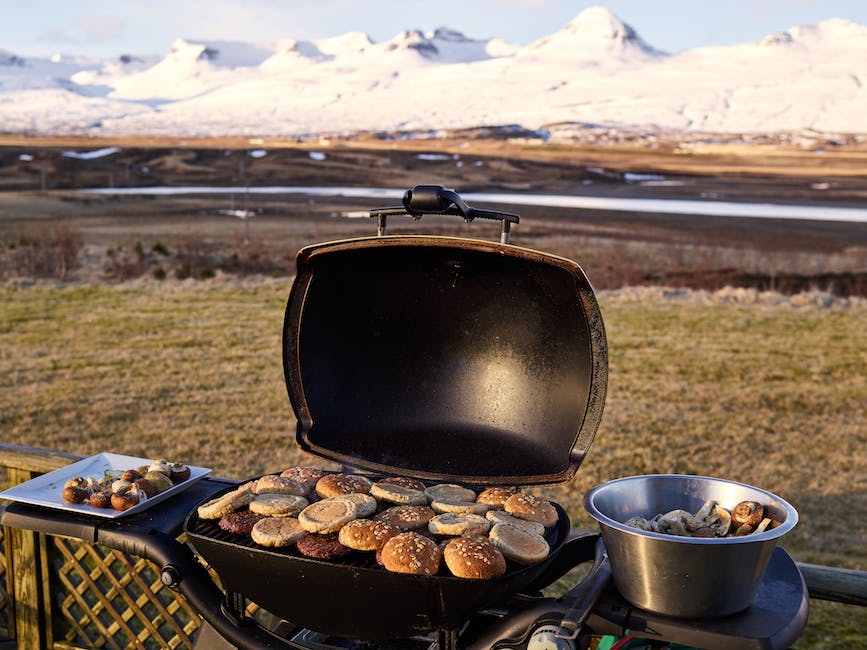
449	360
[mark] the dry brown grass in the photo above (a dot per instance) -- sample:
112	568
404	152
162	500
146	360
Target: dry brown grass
768	395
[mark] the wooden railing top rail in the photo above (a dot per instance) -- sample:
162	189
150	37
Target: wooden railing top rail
34	459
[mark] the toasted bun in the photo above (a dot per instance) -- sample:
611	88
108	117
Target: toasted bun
407	517
277	531
441	505
223	505
332	485
306	476
449	492
278	505
459	523
327	516
496	496
411	553
403	481
366	534
398	494
364	503
519	545
273	484
469	557
532	508
503	517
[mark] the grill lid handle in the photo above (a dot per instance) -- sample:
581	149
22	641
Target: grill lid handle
437	199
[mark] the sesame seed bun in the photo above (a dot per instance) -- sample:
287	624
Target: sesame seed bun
532	508
411	553
468	557
332	485
398	494
496	496
366	534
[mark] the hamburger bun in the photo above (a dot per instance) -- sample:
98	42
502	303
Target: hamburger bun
474	557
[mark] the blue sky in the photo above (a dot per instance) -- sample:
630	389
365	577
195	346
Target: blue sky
111	28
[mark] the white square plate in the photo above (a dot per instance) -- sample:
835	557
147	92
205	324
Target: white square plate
46	490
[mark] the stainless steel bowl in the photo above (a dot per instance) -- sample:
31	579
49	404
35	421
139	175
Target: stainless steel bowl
684	576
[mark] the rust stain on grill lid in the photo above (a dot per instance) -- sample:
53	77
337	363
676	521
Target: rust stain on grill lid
447	358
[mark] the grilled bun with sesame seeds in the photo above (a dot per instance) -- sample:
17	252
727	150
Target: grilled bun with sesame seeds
366	534
496	496
273	484
531	508
407	517
306	476
332	485
411	553
474	557
398	494
403	481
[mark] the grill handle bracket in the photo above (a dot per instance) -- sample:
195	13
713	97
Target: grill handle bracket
437	199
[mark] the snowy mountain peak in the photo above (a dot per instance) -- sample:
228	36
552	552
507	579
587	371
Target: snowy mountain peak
350	43
596	31
223	54
413	39
447	34
834	30
600	23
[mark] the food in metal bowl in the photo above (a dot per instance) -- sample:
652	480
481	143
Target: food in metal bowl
711	520
682	576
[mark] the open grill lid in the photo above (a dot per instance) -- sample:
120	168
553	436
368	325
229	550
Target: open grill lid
446	358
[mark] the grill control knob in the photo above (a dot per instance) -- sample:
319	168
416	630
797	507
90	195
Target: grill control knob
545	638
170	576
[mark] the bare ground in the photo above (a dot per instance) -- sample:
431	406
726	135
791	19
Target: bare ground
118	234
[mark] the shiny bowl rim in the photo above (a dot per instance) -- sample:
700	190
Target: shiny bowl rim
774	533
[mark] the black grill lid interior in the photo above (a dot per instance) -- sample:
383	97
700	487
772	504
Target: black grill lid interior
444	358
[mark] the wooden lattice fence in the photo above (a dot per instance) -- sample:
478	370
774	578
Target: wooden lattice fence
106	599
57	592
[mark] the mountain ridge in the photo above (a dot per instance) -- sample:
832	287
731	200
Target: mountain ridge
595	70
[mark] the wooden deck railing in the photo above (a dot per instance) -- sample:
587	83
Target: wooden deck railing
62	593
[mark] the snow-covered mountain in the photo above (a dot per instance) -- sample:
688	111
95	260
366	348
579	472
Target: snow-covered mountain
596	70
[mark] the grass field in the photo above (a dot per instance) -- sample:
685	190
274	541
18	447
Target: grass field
769	395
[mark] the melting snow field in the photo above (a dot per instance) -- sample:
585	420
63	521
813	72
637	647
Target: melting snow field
662	206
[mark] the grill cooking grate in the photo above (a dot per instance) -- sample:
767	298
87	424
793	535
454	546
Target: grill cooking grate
209	528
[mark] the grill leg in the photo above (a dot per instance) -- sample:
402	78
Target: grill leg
208	639
447	640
